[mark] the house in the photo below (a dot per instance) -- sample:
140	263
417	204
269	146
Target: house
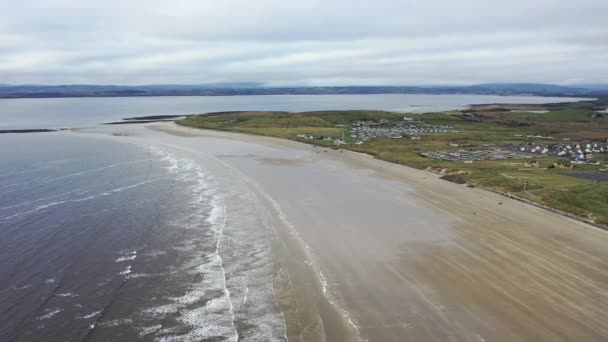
533	164
563	165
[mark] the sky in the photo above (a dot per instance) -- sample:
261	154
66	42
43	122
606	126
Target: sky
304	42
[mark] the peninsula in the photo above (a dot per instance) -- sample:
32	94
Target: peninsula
551	155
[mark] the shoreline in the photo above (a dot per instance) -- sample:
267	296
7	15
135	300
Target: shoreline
403	254
482	138
309	313
302	298
503	194
513	235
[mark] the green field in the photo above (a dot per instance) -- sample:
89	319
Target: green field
546	185
564	115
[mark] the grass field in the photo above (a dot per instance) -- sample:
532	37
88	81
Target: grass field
564	115
486	129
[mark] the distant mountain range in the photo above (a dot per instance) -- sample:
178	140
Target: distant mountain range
254	88
594	86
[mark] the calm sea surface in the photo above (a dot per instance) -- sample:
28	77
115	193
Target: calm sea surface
79	112
104	239
77	218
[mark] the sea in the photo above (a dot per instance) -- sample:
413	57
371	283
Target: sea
78	112
104	238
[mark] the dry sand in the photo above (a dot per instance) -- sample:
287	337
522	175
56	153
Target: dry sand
406	256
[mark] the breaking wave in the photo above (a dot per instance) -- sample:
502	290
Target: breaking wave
206	307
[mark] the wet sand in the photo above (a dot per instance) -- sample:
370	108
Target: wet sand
405	256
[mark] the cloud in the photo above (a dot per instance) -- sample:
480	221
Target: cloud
310	42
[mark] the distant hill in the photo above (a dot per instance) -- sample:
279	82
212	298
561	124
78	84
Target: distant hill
532	88
594	86
256	88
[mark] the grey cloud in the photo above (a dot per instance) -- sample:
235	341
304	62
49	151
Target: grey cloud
310	42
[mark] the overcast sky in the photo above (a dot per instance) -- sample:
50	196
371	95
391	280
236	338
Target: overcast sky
305	42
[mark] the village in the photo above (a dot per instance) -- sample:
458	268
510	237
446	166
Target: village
365	130
465	156
574	152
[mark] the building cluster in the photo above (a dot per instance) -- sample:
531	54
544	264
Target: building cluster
470	156
532	136
313	137
410	128
336	141
576	152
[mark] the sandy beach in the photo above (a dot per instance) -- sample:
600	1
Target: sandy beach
368	250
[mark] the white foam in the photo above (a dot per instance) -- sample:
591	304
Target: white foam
213	218
67	294
246	288
213	319
217	251
48	180
117	322
50	314
323	281
144	275
126	271
149	330
154	254
90	315
208	207
308	250
82	199
127	257
42	199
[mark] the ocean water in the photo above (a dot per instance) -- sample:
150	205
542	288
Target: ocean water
105	240
81	112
